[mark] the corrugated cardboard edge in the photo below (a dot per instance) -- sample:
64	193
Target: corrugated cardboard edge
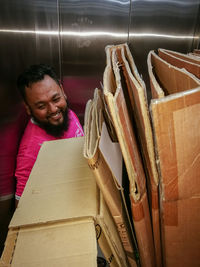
179	62
115	102
182	56
46	165
107	183
111	106
7	255
156	90
171	78
145	132
105	220
13	245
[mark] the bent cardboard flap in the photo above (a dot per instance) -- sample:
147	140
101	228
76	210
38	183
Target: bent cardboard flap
55	221
180	61
166	79
182	56
60	244
61	186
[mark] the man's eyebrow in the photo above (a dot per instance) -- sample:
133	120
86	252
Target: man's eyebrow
56	94
39	103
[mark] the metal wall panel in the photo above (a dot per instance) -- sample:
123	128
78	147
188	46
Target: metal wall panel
86	28
71	35
21	43
162	24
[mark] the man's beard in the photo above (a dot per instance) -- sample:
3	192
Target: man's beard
55	130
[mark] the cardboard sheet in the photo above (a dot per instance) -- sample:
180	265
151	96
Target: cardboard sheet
137	94
59	185
166	79
184	57
64	233
176	127
178	146
108	175
116	95
181	61
60	244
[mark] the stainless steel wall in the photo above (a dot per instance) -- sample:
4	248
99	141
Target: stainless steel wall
71	35
166	24
86	28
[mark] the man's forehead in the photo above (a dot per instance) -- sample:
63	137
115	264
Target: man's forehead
43	90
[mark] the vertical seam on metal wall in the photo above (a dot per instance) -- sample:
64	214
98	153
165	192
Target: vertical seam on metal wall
196	30
129	20
59	41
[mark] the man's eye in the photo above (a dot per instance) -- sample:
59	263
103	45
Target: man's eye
41	107
56	99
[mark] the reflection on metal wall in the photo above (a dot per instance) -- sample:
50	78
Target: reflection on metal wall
21	45
162	24
71	36
86	28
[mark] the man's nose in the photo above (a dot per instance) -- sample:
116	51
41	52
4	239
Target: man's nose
52	108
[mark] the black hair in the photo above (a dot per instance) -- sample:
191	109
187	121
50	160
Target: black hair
34	73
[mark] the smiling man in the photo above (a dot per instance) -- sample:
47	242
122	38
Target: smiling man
51	119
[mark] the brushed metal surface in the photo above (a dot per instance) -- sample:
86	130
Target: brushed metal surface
24	40
22	45
168	24
71	35
86	28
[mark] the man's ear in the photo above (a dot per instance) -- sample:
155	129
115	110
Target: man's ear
63	91
28	111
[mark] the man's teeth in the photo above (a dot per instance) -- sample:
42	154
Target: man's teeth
55	115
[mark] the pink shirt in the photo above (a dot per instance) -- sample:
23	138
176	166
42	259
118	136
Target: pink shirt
33	138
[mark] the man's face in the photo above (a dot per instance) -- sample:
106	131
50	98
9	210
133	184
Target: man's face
46	103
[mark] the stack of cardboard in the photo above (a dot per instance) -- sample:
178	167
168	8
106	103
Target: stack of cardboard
121	104
196	52
107	167
175	113
181	61
61	214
